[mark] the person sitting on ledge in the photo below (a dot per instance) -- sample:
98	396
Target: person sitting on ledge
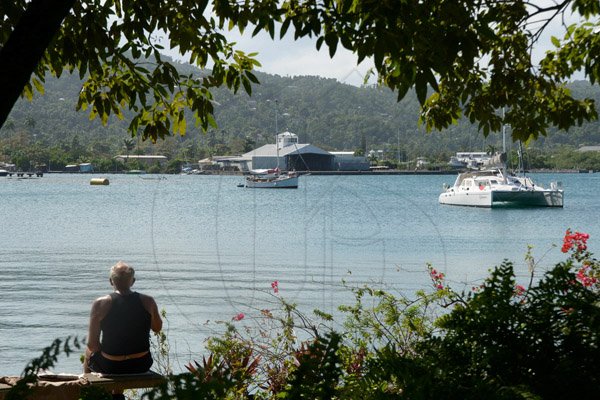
119	331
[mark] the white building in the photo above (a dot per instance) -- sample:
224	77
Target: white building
289	155
472	160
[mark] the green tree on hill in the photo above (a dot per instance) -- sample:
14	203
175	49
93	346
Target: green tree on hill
129	145
435	44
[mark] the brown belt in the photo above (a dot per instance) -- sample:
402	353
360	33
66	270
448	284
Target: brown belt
125	357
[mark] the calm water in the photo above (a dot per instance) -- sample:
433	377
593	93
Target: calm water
207	249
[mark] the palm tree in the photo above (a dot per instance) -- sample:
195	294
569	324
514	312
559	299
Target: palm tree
129	145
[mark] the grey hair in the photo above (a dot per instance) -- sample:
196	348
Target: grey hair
121	272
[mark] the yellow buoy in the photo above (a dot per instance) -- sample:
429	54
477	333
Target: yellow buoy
99	181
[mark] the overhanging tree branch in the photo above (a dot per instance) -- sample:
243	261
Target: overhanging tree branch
26	46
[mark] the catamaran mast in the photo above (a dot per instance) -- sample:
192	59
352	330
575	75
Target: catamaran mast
276	136
504	148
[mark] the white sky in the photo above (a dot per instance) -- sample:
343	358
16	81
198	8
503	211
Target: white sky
287	57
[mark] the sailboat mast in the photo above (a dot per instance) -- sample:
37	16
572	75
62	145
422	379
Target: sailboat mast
521	160
504	149
276	136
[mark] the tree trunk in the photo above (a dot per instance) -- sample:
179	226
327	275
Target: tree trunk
25	47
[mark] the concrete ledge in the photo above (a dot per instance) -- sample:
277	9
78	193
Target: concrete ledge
123	382
69	388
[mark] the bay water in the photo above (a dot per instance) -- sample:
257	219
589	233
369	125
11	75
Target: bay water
208	250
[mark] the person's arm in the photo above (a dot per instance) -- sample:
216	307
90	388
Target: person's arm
100	308
156	322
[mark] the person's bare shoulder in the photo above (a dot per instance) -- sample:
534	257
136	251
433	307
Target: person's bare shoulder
103	300
147	301
102	304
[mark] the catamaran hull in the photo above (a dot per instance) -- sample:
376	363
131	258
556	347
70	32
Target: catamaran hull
498	198
469	199
532	198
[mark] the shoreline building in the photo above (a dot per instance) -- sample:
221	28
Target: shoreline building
146	160
469	159
347	161
289	155
292	156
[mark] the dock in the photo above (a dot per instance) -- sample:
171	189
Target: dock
25	174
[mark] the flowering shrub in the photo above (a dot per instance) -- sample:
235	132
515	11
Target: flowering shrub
587	268
520	290
501	340
586	277
575	241
275	286
437	278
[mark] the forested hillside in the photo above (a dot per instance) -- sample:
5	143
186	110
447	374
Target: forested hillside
321	111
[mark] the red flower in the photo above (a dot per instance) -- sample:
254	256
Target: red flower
577	239
238	317
437	278
585	278
519	290
275	286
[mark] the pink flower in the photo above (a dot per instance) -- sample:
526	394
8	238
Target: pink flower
238	317
275	286
437	278
519	290
585	278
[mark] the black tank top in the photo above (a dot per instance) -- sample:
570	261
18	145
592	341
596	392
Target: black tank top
126	328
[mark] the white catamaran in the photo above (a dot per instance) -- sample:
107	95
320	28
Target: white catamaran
493	186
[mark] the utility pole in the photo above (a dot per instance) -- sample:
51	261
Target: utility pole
398	148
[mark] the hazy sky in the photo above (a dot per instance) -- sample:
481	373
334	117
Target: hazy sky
288	57
292	58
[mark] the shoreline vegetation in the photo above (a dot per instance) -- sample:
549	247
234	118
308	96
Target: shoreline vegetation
507	338
49	131
372	172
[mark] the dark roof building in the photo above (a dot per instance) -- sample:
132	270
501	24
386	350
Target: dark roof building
289	155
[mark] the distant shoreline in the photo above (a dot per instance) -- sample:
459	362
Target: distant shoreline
331	173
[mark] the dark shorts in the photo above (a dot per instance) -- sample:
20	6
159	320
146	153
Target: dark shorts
97	363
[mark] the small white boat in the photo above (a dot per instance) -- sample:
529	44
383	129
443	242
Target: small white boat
271	179
3	172
493	187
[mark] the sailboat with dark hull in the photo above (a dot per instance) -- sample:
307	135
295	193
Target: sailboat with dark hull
274	178
271	179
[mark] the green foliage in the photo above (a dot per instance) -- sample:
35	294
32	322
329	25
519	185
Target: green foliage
498	343
159	345
435	47
379	318
318	373
346	115
21	389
